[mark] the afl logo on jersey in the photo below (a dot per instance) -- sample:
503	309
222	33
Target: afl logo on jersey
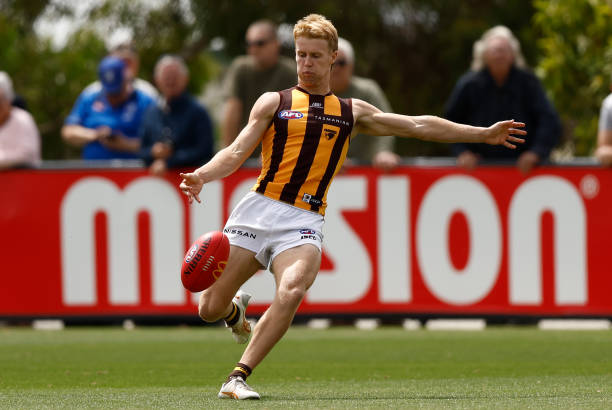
290	115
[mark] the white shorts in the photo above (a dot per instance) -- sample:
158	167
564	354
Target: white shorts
268	227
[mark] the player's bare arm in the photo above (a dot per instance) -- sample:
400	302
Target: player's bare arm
370	120
229	159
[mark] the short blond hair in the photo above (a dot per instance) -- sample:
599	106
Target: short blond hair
317	26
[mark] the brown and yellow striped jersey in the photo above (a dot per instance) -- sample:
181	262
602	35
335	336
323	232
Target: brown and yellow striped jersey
304	147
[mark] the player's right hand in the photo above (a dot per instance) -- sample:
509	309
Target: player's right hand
503	133
191	186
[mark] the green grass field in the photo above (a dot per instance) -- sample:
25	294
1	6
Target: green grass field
173	367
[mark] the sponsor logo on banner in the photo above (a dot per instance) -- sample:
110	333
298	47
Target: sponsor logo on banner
391	243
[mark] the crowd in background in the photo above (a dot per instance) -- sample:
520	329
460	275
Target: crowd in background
122	116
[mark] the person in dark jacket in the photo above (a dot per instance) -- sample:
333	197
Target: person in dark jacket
499	86
177	132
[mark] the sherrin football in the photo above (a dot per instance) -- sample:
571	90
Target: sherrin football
205	261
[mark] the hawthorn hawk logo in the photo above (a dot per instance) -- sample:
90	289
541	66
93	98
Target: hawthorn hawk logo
329	133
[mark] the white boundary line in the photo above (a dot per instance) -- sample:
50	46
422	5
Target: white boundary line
574	324
456	324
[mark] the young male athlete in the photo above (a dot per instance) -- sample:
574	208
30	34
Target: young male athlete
305	133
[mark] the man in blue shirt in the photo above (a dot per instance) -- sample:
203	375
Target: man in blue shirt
106	122
177	132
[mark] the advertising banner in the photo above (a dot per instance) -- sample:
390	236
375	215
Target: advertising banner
419	240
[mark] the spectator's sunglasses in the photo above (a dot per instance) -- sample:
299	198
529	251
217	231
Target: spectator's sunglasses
258	43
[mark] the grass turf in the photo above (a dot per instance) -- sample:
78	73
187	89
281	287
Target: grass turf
503	367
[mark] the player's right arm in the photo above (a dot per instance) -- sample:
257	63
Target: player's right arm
230	158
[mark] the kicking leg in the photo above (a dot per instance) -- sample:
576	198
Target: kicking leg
295	271
216	301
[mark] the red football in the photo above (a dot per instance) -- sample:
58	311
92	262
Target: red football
205	261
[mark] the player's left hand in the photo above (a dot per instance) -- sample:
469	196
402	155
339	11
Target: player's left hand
191	186
503	133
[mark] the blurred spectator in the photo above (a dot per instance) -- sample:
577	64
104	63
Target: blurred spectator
363	148
107	122
129	55
19	137
604	134
263	69
178	131
499	87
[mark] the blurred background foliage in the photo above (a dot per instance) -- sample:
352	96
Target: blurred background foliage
575	46
415	49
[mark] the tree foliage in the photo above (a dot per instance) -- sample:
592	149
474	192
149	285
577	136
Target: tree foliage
415	49
50	80
576	45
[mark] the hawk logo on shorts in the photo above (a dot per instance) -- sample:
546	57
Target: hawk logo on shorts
330	133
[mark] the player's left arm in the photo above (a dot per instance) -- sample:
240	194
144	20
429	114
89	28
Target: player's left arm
370	120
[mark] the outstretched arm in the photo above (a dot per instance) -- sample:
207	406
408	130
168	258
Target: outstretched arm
370	120
231	157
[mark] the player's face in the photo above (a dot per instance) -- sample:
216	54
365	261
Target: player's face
314	60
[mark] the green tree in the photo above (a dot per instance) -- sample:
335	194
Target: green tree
576	44
46	78
50	79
